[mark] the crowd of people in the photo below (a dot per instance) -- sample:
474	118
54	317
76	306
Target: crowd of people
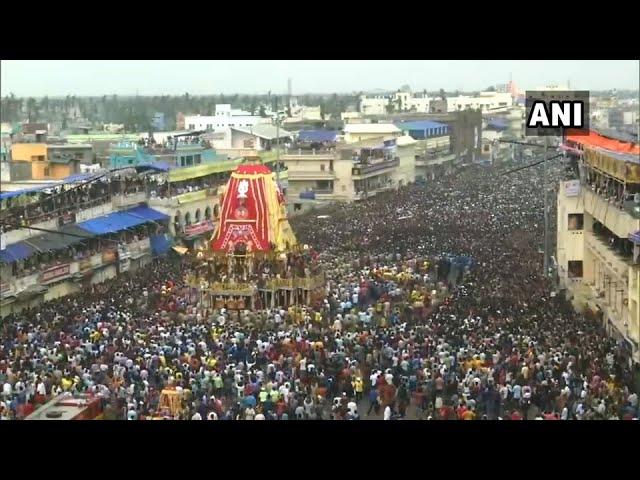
406	330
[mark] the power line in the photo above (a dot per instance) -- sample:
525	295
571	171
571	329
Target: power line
531	164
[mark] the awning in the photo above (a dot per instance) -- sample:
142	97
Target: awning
118	221
15	193
160	244
317	136
148	214
16	251
185	173
635	237
69	235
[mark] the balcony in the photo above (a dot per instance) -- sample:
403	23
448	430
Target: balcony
437	159
370	169
308	154
311	175
122	200
621	222
616	264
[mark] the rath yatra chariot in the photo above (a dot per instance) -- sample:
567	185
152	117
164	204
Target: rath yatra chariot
253	260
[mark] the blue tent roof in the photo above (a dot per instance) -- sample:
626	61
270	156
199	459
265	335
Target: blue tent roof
15	193
118	221
147	213
420	125
160	244
16	251
317	135
81	177
498	124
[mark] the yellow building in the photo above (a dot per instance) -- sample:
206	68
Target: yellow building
42	166
597	260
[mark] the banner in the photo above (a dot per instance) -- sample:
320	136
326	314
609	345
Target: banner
55	273
192	196
125	265
572	188
5	289
198	228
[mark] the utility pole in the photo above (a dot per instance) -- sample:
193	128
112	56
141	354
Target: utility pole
546	208
277	145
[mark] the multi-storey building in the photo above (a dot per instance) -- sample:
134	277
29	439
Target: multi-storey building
598	248
400	101
322	169
105	228
225	117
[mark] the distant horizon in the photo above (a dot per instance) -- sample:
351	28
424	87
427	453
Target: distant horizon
149	78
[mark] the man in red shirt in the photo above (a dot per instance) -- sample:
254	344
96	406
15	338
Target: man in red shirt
516	415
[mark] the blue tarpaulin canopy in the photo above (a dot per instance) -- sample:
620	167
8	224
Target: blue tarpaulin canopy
15	193
635	237
317	136
160	244
16	251
117	221
82	177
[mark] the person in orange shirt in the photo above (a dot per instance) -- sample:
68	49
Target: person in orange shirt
469	415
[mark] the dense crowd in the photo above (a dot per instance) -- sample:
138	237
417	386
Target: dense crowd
436	308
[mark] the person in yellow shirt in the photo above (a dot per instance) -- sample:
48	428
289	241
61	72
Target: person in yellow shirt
469	415
358	386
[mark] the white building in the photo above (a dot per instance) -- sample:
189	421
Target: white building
402	101
485	101
358	132
225	117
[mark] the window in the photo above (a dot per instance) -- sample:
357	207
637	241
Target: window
575	221
486	147
331	165
322	167
197	215
297	206
189	160
197	159
207	213
192	126
47	172
575	268
187	218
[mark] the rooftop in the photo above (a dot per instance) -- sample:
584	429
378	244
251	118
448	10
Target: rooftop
371	128
264	130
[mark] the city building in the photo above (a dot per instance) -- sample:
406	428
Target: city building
598	233
94	230
484	101
52	161
400	101
225	117
158	121
259	137
322	169
358	132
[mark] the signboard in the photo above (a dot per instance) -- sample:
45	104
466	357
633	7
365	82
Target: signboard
198	228
125	265
191	196
572	188
108	256
55	273
5	289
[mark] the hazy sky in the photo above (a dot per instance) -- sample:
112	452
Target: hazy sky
156	77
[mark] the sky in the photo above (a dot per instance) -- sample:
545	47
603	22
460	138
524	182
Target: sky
204	77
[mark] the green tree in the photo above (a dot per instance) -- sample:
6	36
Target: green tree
31	105
443	95
390	106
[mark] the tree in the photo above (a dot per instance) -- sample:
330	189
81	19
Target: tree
323	110
31	104
390	106
262	112
491	89
443	95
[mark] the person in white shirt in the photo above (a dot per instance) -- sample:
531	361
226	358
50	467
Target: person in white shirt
387	413
196	416
260	416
